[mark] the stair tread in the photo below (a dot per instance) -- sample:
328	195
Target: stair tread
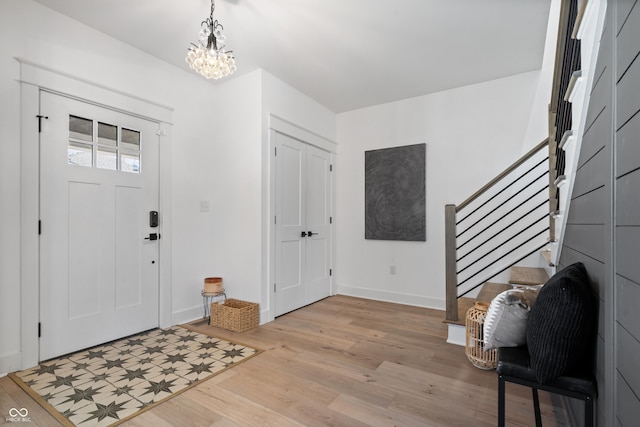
490	290
487	293
528	276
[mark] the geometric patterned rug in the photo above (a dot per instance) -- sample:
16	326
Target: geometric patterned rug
107	384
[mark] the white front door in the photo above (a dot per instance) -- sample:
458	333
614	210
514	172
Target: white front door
99	261
302	224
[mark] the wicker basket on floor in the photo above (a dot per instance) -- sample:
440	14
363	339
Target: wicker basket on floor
235	315
474	347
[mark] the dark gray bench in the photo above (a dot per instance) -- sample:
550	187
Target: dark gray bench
514	367
560	346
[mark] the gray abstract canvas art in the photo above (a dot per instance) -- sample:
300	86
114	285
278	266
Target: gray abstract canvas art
395	200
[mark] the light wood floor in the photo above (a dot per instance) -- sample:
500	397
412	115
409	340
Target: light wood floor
343	362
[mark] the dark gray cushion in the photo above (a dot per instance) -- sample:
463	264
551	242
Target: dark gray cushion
561	323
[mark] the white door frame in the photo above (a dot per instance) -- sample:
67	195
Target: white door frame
33	78
280	125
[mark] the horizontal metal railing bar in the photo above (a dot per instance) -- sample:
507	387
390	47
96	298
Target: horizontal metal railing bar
503	270
546	200
509	252
546	159
543	217
500	232
504	173
504	202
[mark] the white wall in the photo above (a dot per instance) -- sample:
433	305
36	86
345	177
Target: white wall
235	187
472	133
286	102
9	201
42	36
538	126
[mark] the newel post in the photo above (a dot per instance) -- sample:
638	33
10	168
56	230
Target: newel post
450	262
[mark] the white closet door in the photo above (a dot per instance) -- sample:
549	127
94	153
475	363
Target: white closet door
317	220
302	224
290	290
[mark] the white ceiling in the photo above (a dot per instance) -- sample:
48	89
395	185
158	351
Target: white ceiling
346	54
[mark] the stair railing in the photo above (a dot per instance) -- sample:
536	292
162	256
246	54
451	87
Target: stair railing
497	226
567	63
496	243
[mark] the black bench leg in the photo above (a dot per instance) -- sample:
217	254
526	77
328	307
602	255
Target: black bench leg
536	407
500	401
588	412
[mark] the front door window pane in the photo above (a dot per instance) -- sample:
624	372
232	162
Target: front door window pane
80	154
107	158
130	162
80	128
107	134
130	139
103	145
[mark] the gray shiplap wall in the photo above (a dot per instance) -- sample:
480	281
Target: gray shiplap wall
603	227
627	214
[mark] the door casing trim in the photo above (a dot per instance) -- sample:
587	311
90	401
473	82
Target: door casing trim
276	124
33	79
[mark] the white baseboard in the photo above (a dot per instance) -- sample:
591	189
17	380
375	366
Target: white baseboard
457	334
186	316
264	316
395	297
191	314
10	363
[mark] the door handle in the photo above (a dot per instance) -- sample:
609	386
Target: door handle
303	234
152	236
310	233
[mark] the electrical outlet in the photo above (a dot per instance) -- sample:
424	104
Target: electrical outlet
392	269
204	206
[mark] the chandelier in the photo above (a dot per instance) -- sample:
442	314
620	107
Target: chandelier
209	57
